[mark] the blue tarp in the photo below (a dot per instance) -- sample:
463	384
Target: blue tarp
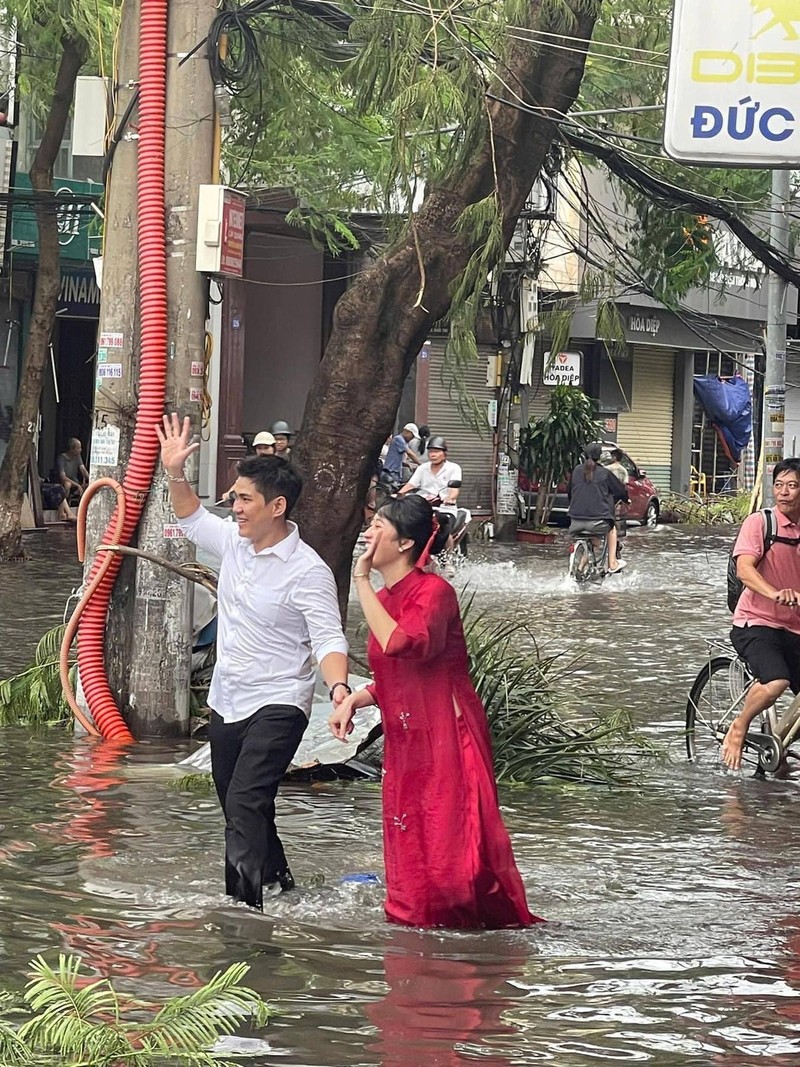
729	406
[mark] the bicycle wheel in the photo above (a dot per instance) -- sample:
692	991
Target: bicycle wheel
710	709
581	562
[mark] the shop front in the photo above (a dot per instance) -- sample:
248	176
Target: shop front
68	388
643	381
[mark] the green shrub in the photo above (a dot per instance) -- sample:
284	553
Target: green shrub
715	511
534	736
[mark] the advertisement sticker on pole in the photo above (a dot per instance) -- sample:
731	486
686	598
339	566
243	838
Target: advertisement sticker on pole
733	93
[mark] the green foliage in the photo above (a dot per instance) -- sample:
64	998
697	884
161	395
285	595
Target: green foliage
676	252
67	1023
34	697
715	511
200	783
41	26
551	446
627	68
366	123
532	735
362	124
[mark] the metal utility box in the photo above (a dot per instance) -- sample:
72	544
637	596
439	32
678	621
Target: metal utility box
220	231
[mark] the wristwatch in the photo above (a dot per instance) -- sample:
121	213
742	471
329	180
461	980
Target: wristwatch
335	686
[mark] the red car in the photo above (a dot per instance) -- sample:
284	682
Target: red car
644	504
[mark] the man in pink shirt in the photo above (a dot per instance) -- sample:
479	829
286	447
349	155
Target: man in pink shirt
766	623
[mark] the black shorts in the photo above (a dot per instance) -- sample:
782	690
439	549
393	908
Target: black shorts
770	653
590	527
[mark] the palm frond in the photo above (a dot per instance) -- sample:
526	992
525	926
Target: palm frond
34	697
69	1023
197	1019
533	733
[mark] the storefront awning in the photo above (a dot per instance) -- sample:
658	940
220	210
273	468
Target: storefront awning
691	331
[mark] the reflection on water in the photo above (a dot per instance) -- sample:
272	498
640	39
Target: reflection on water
674	932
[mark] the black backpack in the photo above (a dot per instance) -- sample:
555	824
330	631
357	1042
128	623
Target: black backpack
735	584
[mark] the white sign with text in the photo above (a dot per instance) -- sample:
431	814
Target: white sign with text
562	368
733	95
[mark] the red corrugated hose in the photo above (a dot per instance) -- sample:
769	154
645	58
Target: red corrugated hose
93	609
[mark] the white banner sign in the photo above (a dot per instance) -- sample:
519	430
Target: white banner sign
562	369
733	95
105	446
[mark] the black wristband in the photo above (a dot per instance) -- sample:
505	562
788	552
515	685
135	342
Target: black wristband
336	686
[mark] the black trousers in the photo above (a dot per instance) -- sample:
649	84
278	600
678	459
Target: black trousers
248	760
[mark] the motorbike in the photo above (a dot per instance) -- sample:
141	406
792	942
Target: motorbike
456	518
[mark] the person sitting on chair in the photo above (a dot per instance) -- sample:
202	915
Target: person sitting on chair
54	498
71	472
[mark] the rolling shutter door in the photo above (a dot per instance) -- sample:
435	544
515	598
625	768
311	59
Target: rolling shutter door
471	449
646	430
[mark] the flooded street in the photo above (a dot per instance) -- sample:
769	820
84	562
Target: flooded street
673	908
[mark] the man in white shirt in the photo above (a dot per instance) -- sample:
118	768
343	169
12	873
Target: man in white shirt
276	604
431	479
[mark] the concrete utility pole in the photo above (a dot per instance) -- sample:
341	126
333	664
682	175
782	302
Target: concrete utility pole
148	646
160	666
773	419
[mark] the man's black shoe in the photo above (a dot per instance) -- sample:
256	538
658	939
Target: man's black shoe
282	884
286	880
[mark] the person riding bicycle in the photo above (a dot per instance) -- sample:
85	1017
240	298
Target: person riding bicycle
766	622
612	461
593	491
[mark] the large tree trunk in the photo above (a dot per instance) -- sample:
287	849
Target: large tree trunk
48	282
380	325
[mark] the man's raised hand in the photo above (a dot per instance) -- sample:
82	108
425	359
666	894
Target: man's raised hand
176	442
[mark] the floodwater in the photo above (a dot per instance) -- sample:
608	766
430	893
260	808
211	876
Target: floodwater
673	908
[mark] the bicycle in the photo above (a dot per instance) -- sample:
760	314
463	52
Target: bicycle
714	701
379	493
588	563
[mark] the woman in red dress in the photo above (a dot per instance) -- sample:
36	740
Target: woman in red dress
447	853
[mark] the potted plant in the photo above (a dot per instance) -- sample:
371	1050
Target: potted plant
550	448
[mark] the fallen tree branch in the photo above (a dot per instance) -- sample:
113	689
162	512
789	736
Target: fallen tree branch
193	572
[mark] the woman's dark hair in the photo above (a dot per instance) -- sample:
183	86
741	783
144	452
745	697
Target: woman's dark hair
412	517
593	454
273	476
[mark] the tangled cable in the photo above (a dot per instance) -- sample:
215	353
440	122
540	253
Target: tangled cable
88	593
237	66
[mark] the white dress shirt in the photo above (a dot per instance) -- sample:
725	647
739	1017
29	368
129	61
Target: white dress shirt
430	484
274	608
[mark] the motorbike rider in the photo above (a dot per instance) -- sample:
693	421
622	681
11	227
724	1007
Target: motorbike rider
593	489
283	438
432	479
435	480
263	445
